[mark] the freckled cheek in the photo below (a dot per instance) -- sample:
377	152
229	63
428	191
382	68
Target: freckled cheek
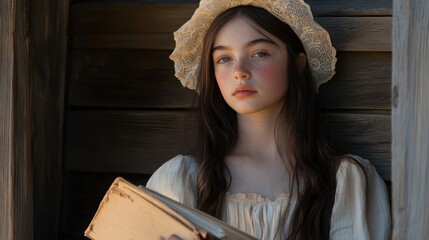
222	80
274	77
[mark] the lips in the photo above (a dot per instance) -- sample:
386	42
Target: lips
243	91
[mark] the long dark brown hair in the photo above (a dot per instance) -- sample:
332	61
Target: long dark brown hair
313	165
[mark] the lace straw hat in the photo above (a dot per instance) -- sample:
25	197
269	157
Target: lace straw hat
296	13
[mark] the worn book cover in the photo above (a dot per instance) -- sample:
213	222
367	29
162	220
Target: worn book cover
131	212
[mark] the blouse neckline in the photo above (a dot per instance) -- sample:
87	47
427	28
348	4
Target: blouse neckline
256	197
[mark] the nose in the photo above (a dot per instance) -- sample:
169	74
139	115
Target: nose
241	71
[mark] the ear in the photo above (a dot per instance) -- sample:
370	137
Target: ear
302	61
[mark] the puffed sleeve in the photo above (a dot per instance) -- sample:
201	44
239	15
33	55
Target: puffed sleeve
176	179
361	208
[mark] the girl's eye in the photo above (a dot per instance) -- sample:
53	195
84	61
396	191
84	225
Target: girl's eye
223	60
260	54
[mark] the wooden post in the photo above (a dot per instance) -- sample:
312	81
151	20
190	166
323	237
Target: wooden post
410	119
16	183
32	72
49	33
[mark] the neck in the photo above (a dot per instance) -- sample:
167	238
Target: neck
256	134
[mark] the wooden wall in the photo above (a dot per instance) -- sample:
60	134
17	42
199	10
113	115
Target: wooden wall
126	111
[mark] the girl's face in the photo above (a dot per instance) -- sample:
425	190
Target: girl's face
250	67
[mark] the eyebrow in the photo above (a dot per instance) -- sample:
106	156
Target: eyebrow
251	43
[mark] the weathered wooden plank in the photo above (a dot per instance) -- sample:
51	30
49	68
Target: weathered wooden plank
125	141
347	34
351	7
364	134
112	78
125	41
126	79
410	120
362	81
22	138
94	27
155	89
128	18
7	222
16	183
359	33
87	17
139	142
48	33
99	63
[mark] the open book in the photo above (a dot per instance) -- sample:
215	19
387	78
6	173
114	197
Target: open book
131	212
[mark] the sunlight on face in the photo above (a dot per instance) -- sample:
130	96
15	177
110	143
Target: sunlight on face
250	67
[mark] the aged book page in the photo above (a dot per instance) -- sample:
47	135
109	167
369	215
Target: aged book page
131	212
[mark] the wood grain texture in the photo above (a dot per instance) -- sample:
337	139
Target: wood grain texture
325	7
362	81
94	27
145	78
108	78
125	41
48	40
16	183
7	223
410	120
155	89
103	18
125	141
351	7
347	34
359	33
365	134
23	127
139	142
126	18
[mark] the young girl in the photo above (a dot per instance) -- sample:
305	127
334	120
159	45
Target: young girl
264	166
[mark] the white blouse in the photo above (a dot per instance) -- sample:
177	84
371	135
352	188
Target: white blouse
361	208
